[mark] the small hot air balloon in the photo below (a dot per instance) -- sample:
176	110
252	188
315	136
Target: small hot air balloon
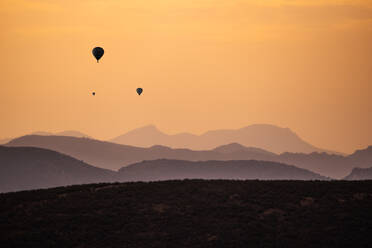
139	91
98	53
93	93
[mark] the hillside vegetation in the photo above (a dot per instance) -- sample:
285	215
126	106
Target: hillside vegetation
191	213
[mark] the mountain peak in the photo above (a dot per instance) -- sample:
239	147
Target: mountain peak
148	127
269	128
236	147
232	147
145	136
160	148
145	130
72	133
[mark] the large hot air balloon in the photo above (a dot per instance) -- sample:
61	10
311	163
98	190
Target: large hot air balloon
139	91
98	53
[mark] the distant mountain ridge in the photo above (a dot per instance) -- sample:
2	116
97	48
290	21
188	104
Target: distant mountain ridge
114	156
26	168
268	137
360	174
238	148
164	169
71	133
263	136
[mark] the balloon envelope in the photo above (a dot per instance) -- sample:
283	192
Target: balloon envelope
139	91
98	52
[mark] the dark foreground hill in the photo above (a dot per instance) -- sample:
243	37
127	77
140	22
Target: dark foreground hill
23	168
191	214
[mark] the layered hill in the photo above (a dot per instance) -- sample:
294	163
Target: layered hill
268	137
114	156
362	157
360	174
23	168
164	169
71	133
191	213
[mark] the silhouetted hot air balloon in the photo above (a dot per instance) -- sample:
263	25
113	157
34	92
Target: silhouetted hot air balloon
139	91
93	93
98	52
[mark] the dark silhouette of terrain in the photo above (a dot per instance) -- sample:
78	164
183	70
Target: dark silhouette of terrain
268	137
362	158
23	168
238	149
335	166
71	133
262	136
360	174
114	156
191	213
164	169
332	165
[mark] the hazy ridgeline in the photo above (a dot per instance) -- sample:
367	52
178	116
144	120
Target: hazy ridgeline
113	156
269	137
24	168
45	160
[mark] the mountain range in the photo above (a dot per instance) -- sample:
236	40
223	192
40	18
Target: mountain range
264	136
268	137
114	156
25	168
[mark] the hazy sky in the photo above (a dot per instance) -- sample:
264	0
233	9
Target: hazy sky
203	65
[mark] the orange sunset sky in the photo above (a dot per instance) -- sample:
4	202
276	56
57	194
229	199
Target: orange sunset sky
203	65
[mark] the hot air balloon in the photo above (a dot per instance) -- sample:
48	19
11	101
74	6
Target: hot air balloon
139	91
98	53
